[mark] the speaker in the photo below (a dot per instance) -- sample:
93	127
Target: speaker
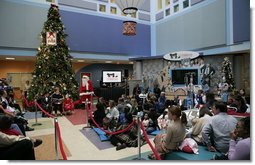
126	73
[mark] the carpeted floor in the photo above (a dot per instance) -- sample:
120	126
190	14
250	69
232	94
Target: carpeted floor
46	151
94	139
78	117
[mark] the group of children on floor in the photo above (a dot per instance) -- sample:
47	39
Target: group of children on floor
213	127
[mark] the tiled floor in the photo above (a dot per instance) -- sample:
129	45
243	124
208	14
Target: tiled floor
80	147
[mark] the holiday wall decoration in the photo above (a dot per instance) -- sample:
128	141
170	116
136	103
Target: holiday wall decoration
53	65
51	38
226	70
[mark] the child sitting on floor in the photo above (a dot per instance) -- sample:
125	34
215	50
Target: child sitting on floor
68	105
148	123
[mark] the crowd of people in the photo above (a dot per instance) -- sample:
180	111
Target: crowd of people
14	144
213	128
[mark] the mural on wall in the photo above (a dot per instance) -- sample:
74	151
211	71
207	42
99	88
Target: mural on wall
158	72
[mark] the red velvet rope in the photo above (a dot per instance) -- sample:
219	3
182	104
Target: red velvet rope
108	132
147	139
28	104
57	126
46	113
60	142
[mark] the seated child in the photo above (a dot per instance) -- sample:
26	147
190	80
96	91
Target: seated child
148	123
68	105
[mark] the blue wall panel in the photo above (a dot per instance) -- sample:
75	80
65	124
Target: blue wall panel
89	33
196	29
241	20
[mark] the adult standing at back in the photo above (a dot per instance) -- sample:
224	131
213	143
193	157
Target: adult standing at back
136	92
26	86
216	133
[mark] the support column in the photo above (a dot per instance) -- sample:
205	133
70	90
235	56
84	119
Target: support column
138	70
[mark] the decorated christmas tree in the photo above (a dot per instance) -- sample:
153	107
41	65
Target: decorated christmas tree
53	65
226	70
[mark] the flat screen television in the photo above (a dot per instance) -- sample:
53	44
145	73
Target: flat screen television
179	76
111	76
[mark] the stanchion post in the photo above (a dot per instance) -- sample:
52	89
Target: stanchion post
87	107
36	123
56	137
139	138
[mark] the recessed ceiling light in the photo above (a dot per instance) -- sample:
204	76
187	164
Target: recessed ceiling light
108	61
10	58
80	60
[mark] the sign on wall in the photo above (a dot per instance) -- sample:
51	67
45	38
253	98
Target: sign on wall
178	56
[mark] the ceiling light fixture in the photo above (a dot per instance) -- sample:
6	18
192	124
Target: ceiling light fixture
129	7
10	58
108	62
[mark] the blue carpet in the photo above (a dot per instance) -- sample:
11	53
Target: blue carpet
31	115
93	137
204	155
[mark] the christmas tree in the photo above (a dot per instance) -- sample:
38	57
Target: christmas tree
226	71
53	65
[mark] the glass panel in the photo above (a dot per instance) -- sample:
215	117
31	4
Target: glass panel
102	8
185	3
176	8
167	12
167	2
159	4
133	15
113	10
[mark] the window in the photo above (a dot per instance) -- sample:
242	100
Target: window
167	12
185	4
176	8
133	15
159	4
102	8
167	2
113	10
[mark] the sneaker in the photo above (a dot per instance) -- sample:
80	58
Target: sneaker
120	147
37	142
152	157
29	129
